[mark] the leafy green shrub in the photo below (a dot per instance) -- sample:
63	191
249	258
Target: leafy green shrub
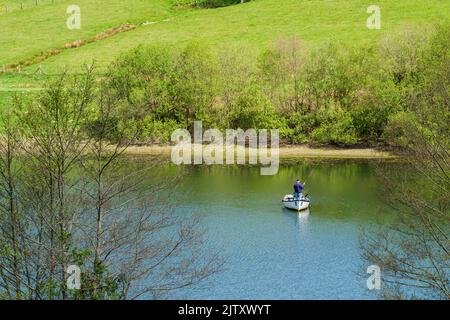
279	73
253	109
170	85
300	127
336	95
399	127
335	127
156	131
192	87
370	121
401	52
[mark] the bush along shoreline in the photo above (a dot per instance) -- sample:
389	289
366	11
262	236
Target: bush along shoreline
330	96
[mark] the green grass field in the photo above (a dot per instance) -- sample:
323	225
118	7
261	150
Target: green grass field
35	29
27	32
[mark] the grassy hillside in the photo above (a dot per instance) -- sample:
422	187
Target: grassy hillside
26	33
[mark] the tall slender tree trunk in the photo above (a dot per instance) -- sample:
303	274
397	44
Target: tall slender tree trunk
13	219
52	233
63	233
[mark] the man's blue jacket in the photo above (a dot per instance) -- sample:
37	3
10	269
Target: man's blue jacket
298	187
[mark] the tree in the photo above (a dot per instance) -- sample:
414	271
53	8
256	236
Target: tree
11	253
414	253
68	198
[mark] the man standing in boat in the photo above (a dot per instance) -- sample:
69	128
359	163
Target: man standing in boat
298	188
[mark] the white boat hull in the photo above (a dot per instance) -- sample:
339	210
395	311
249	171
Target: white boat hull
296	204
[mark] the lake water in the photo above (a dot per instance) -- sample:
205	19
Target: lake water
273	253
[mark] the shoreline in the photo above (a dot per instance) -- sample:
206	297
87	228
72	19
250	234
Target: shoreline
299	151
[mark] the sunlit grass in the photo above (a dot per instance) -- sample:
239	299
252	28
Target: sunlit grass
253	25
24	33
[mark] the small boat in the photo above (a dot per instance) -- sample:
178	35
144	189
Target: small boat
290	202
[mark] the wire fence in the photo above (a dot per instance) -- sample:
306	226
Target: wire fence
12	6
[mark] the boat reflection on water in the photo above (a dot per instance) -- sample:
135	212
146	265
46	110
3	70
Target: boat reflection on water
302	219
303	215
303	222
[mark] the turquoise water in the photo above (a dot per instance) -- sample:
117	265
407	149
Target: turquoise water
274	253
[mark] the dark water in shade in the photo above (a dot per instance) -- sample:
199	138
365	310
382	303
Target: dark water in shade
273	253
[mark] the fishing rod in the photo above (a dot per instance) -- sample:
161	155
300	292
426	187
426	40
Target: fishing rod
307	177
310	171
